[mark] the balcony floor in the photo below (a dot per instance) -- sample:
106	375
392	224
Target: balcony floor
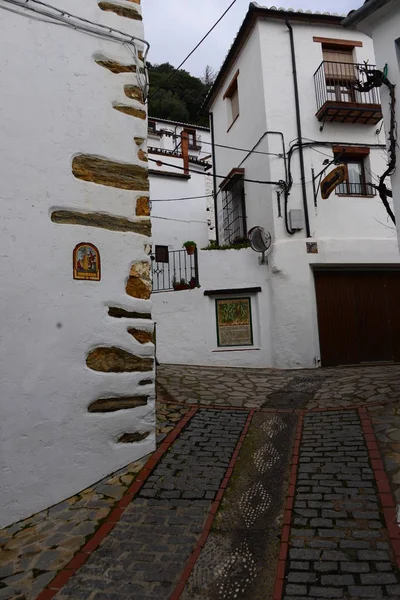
350	112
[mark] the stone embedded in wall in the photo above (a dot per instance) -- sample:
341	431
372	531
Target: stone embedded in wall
102	221
142	155
114	66
123	11
144	337
134	92
139	281
131	111
110	173
115	360
113	404
139	141
120	313
146	382
131	438
143	207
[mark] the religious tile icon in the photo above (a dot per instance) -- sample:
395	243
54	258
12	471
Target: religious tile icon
86	261
234	324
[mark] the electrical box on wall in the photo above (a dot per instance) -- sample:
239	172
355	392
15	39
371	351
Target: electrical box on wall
296	219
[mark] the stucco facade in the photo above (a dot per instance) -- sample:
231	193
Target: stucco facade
74	380
382	24
192	218
345	230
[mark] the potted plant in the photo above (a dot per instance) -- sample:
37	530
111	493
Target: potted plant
180	285
190	247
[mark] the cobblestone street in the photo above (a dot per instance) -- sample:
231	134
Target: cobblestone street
277	486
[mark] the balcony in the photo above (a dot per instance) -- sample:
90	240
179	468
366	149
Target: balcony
338	99
174	270
356	189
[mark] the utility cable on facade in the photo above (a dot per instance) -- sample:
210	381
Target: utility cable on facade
223	177
178	199
193	51
244	149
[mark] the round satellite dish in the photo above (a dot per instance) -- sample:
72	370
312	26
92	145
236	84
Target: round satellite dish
260	240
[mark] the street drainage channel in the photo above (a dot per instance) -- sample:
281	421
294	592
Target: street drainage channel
297	393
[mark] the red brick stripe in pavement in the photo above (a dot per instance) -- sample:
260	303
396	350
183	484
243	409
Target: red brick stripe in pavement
81	557
287	516
176	594
386	499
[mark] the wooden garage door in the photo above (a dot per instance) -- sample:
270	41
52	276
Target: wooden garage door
358	316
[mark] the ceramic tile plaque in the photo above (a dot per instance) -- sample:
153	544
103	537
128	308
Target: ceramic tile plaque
234	326
86	261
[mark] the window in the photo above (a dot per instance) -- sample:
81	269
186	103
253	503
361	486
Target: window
192	138
152	126
162	254
340	74
233	209
232	97
355	159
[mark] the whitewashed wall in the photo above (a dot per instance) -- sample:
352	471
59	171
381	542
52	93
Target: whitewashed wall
173	223
176	222
186	320
348	230
56	103
384	27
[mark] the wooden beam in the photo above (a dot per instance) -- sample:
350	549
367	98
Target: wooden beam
336	42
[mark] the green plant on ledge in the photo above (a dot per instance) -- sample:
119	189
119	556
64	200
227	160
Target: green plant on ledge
238	244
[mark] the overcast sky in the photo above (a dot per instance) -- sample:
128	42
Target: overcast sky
174	27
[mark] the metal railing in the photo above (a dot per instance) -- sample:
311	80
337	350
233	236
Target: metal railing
356	189
232	217
181	272
336	82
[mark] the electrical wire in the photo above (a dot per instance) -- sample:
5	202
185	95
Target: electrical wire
178	199
63	17
243	149
279	183
180	220
193	51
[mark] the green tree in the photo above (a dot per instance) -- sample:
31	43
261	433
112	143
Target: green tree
179	98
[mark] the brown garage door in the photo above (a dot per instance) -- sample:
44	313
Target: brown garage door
358	316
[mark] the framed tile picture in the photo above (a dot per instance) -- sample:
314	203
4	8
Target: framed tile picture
234	323
86	262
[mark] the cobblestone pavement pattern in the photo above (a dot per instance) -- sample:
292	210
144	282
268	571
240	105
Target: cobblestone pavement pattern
386	424
270	388
33	550
338	544
143	556
240	556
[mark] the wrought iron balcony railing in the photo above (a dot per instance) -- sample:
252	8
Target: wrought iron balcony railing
338	96
356	189
176	271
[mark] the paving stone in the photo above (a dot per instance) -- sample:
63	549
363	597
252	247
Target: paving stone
347	566
366	591
157	542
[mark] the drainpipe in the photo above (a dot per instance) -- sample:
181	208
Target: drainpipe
299	132
214	176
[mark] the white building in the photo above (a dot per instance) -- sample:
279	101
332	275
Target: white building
380	19
75	250
328	293
182	204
